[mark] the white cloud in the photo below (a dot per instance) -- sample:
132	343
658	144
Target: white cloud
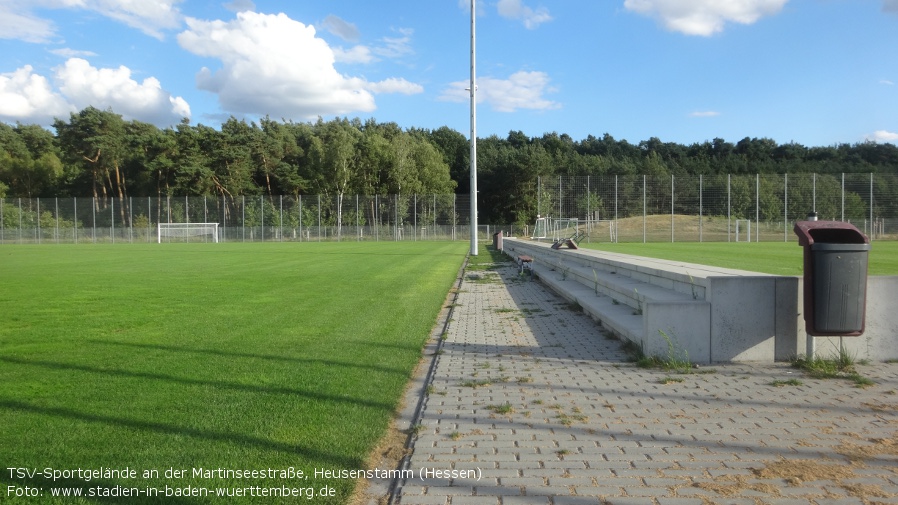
18	21
515	9
396	47
704	17
395	85
704	113
151	17
84	85
386	48
29	98
356	54
887	82
274	65
72	53
883	136
522	90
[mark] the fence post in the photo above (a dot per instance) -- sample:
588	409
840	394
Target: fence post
701	209
615	209
644	210
843	197
871	204
757	208
672	224
729	209
814	193
455	216
785	207
539	196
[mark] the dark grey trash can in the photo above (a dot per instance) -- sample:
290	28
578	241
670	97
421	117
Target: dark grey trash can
840	287
835	277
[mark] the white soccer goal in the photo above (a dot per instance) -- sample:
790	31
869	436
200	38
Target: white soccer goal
187	232
541	228
743	230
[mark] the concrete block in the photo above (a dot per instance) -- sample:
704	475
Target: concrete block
879	342
790	333
881	331
743	318
686	324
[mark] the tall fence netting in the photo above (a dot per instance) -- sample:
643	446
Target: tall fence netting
718	208
697	208
240	219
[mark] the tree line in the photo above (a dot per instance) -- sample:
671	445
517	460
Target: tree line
97	153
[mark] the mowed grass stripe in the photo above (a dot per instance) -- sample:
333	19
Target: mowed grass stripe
227	356
778	258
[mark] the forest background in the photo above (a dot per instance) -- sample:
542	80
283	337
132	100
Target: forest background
96	153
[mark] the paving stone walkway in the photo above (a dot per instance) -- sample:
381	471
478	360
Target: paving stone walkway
530	403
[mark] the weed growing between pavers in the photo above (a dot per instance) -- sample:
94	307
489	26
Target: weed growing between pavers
839	366
790	382
677	359
504	409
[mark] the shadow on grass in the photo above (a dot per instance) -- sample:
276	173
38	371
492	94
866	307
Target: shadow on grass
199	382
229	354
169	429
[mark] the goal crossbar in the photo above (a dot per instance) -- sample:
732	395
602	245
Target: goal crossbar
187	230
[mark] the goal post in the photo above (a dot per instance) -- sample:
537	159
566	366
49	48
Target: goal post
187	232
743	230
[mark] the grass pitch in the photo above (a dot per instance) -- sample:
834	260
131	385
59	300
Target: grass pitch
778	258
225	358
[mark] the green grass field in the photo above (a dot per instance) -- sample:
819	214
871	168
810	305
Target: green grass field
207	356
779	258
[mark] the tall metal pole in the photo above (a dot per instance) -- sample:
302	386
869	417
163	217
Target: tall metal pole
473	133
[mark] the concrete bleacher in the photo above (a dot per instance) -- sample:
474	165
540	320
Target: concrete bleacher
711	314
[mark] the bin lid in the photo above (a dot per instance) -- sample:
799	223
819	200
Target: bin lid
831	232
823	246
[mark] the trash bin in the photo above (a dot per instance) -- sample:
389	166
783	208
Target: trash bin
497	240
835	277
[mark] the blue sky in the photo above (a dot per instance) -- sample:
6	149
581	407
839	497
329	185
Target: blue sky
816	72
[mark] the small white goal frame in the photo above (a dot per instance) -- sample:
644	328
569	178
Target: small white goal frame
747	229
187	230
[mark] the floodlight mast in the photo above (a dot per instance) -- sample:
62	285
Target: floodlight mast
473	90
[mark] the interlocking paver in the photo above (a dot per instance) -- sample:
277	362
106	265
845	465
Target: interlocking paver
532	394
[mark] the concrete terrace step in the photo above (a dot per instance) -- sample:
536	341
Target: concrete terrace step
713	314
621	319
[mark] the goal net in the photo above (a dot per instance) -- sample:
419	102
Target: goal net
187	232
